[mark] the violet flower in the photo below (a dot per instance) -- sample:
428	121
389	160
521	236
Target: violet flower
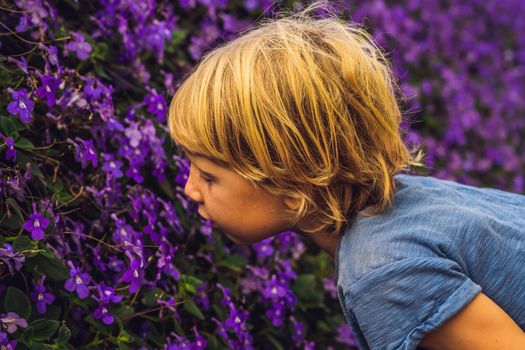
13	260
78	281
276	313
79	46
107	294
133	275
48	89
5	343
102	312
112	166
11	321
156	105
21	105
84	151
344	334
11	150
41	297
36	224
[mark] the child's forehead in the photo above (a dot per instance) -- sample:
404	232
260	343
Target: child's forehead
196	155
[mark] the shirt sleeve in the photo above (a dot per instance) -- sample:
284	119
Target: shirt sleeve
396	305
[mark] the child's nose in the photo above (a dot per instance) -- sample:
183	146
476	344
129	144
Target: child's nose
191	190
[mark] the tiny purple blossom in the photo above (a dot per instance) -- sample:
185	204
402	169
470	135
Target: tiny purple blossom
13	260
36	224
112	166
11	150
5	343
78	281
84	151
133	275
22	64
11	321
134	173
107	295
102	312
156	105
79	46
48	89
41	297
21	105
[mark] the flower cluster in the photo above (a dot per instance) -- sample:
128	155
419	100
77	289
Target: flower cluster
100	247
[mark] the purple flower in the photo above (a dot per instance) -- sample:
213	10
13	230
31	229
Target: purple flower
11	321
123	232
264	248
11	150
274	289
79	45
52	52
21	105
41	297
78	281
156	105
13	260
102	312
22	64
276	313
344	335
48	89
112	166
107	295
36	224
84	151
134	276
5	343
134	173
298	333
330	286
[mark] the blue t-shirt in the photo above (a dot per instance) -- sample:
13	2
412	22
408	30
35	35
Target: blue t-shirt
401	274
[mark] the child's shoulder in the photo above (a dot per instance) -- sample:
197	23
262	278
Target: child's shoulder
429	218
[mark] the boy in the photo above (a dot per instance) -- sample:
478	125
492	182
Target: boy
295	126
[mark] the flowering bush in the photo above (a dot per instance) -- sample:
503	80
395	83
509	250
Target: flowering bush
100	249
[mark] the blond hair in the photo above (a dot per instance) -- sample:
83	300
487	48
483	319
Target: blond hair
301	107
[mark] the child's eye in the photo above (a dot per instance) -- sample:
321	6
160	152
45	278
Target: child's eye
205	178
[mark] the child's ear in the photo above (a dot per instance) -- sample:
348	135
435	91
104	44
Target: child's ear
292	203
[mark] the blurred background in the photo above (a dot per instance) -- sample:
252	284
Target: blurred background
98	246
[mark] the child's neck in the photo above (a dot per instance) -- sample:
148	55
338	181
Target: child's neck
326	242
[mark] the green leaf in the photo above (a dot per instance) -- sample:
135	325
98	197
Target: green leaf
275	342
304	282
8	126
16	207
100	50
150	297
100	71
22	243
122	346
178	327
188	285
99	326
53	312
178	36
193	309
122	311
213	342
43	329
53	268
16	301
64	333
167	188
24	143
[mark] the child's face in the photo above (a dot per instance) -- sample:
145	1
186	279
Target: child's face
232	203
